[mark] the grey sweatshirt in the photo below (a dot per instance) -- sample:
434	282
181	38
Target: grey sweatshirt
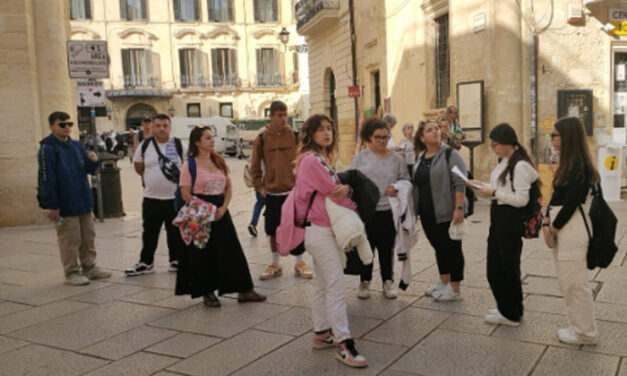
444	183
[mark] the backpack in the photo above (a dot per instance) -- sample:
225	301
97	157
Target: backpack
601	245
248	179
178	196
532	212
470	195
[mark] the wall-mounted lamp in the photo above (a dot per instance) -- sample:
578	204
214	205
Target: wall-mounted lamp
284	37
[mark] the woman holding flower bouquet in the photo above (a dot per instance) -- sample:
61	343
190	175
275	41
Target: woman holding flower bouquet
219	265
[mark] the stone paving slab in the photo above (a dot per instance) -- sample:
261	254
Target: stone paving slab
8	344
612	339
377	307
408	327
7	308
232	354
475	302
183	345
129	342
46	293
449	353
467	324
35	315
147	296
224	322
568	362
623	367
90	326
536	327
140	364
299	358
34	360
107	294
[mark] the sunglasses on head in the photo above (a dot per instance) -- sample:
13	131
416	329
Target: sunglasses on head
64	124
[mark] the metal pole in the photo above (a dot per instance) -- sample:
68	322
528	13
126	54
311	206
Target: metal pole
533	93
98	180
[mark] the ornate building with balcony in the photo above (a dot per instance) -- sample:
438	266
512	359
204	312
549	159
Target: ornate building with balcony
196	58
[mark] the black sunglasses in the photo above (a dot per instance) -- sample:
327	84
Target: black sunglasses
553	135
64	124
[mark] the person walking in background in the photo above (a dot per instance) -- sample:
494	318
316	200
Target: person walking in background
390	121
276	148
64	191
567	234
384	167
316	176
221	264
440	204
406	147
157	160
259	204
510	182
144	132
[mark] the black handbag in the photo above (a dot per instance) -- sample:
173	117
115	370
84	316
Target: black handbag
354	266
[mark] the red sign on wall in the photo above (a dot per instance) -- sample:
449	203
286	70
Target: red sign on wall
354	92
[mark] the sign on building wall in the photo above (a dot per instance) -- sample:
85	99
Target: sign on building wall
618	18
90	93
87	59
576	103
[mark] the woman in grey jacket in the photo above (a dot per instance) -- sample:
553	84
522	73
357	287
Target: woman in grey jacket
440	202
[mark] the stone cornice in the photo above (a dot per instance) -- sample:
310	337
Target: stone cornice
135	30
260	33
434	8
83	30
183	32
223	31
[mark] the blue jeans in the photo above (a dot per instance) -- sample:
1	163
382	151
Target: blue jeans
261	202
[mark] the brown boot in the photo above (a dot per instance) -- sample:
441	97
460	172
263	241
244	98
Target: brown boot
250	296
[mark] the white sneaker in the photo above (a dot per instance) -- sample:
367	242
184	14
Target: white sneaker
364	290
497	318
76	279
388	289
437	287
447	294
568	336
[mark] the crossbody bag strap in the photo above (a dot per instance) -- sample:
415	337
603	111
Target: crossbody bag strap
311	199
585	221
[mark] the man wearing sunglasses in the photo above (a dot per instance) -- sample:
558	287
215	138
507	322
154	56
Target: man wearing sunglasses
64	191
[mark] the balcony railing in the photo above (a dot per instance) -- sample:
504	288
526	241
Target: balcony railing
135	82
193	81
226	80
307	9
270	79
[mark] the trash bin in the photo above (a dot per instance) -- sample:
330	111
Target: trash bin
111	187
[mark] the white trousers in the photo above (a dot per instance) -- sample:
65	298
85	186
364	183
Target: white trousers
329	296
572	273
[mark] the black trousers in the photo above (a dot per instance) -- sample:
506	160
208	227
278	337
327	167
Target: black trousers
504	249
154	214
381	233
272	213
448	252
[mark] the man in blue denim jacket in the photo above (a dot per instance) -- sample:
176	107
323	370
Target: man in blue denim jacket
64	191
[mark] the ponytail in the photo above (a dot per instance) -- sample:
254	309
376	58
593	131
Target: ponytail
520	154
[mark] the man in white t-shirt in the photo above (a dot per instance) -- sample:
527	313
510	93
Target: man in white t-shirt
159	187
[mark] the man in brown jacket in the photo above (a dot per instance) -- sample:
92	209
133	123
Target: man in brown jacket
276	146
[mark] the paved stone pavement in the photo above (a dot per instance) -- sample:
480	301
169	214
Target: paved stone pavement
136	326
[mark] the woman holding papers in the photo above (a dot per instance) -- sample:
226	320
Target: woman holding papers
509	188
440	203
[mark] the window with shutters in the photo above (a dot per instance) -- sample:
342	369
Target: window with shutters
442	61
133	10
186	10
224	67
268	67
266	10
80	9
190	60
220	10
137	68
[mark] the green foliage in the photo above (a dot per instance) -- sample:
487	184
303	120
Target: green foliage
251	124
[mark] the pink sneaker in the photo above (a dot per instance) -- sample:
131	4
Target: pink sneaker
347	354
323	340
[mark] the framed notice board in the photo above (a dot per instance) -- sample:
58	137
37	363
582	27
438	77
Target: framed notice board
470	108
576	103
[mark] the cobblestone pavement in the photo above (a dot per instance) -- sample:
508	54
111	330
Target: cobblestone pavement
136	326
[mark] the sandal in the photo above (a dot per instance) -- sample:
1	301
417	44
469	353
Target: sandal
250	296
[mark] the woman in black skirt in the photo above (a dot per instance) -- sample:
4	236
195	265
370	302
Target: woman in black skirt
221	264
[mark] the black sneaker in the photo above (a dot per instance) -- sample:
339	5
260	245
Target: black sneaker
252	230
139	269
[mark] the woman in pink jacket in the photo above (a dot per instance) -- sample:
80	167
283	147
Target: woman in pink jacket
315	175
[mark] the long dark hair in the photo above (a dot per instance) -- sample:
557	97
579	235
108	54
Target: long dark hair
504	134
307	143
195	136
420	146
575	158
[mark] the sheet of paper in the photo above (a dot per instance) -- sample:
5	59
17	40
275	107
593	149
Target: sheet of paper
458	172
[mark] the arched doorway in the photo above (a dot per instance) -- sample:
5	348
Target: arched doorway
136	113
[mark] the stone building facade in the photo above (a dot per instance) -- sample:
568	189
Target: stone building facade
192	58
411	56
33	83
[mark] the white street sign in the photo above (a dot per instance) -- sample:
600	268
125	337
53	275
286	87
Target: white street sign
87	59
90	93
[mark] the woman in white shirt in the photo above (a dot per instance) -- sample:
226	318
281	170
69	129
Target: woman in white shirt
509	197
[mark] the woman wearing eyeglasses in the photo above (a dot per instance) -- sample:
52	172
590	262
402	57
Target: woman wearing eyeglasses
567	234
440	203
384	167
510	183
221	265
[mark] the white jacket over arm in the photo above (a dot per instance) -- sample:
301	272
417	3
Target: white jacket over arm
518	194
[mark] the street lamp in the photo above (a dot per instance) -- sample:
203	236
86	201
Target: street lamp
284	36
